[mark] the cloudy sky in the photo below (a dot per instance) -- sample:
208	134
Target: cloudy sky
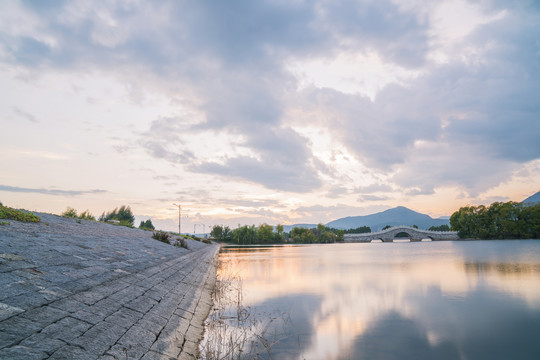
268	111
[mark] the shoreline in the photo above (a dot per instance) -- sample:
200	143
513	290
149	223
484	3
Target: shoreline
89	290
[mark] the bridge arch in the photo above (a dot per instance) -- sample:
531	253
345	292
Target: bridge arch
409	236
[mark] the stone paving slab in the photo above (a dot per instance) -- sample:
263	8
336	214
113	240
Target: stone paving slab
90	290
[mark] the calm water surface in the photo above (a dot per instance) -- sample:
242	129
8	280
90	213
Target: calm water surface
401	300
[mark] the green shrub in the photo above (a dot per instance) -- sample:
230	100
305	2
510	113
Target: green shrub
86	215
162	236
18	215
70	213
124	215
147	225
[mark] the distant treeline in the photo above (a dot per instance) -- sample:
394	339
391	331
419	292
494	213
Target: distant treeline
358	230
266	234
509	220
442	227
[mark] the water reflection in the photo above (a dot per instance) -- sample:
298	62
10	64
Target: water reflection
424	300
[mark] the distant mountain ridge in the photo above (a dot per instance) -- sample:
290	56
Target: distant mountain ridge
396	216
533	199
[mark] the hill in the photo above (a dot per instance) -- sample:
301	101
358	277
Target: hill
396	216
533	199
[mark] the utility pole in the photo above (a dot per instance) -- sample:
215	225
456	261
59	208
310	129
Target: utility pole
179	218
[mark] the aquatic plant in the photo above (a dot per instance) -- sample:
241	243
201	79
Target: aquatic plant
236	331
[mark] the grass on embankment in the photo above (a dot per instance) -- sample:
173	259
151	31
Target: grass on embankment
18	215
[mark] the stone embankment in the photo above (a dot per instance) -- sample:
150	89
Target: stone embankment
89	290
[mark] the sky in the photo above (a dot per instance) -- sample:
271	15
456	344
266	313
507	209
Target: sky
250	112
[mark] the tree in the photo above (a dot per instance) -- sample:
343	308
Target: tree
70	213
279	232
147	225
221	233
265	234
359	230
86	215
245	235
217	232
443	227
124	215
386	227
321	234
508	220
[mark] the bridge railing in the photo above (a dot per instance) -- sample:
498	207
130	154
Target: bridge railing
405	227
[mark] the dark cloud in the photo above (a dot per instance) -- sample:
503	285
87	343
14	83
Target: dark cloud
24	114
399	36
270	174
56	192
242	32
366	197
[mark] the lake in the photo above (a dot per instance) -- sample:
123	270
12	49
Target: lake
401	300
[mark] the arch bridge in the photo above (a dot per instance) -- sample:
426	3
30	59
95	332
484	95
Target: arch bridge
414	234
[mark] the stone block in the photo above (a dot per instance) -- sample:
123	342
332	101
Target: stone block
70	352
44	316
43	343
22	352
124	317
66	329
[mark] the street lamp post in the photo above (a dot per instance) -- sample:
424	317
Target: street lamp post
195	227
179	218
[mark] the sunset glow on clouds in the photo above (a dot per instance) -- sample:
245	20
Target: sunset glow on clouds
268	111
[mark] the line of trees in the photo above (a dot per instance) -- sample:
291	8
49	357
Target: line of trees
358	230
320	234
500	220
249	234
267	234
443	227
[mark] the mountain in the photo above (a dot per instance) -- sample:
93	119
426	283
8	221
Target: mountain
534	199
397	216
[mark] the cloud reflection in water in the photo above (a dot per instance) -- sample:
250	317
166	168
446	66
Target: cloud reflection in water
406	300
